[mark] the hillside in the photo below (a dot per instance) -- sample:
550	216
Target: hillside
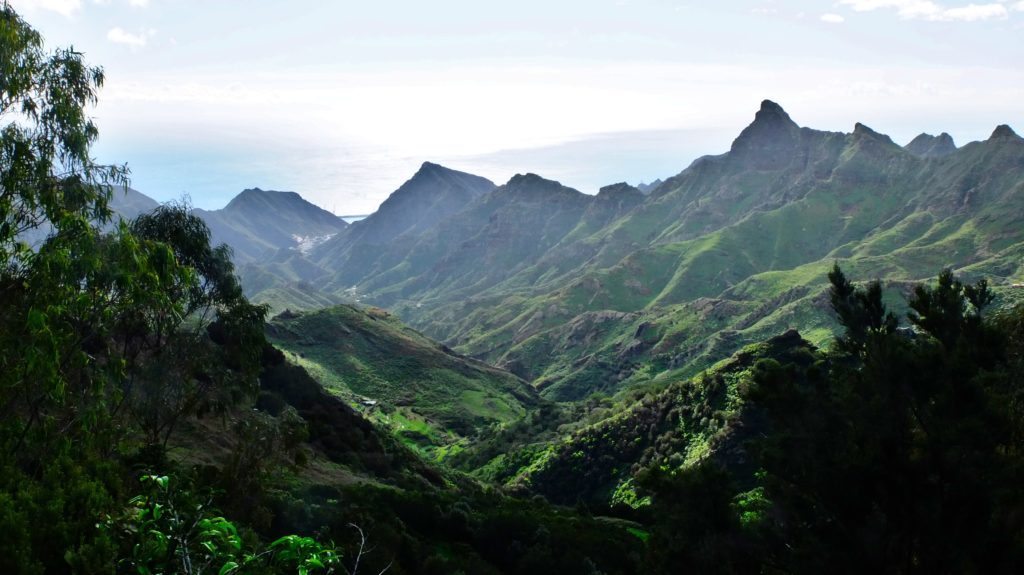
686	423
431	396
334	467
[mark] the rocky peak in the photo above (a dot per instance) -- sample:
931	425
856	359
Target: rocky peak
528	179
433	193
621	194
535	188
1004	132
530	182
769	140
867	140
929	146
434	179
771	112
865	132
428	168
619	189
648	188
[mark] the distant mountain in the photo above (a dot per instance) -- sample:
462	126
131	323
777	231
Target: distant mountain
500	235
269	233
928	146
129	203
258	222
648	188
125	203
431	195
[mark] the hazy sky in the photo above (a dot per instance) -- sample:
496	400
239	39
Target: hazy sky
341	101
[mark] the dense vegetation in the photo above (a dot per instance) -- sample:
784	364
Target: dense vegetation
148	423
897	452
107	340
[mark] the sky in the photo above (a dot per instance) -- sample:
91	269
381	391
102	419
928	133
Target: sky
341	101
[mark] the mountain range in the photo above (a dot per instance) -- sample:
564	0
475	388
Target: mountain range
581	293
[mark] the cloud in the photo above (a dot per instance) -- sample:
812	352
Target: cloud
138	3
974	12
832	18
62	7
927	10
118	35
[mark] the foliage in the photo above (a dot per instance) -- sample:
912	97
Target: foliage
697	528
46	173
473	531
165	530
896	453
107	339
860	311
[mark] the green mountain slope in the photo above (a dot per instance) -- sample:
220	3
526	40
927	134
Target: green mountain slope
430	395
675	427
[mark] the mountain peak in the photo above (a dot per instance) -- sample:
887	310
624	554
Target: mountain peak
648	188
771	116
251	197
862	131
430	167
1003	132
534	187
769	108
769	139
527	179
619	189
435	175
433	193
929	146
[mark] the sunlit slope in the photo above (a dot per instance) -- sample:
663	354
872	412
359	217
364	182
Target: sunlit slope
428	392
